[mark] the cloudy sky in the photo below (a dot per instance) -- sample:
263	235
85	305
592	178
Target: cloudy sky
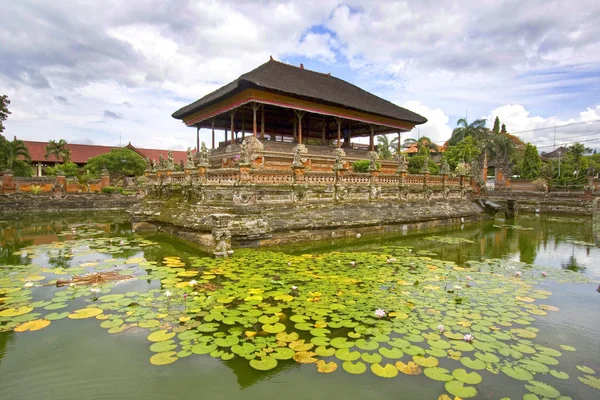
92	71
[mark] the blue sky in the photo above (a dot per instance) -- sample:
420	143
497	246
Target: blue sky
85	72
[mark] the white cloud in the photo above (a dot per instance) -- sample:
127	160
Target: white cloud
436	128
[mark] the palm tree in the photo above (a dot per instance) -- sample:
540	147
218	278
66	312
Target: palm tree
425	142
476	129
577	151
387	147
409	142
59	150
11	151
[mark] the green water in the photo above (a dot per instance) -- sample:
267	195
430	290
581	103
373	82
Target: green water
78	359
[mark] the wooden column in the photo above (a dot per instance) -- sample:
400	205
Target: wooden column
243	123
232	114
323	139
213	135
225	136
399	141
372	138
339	124
299	114
254	124
262	121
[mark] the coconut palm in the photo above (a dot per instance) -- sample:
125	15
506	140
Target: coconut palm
59	150
387	147
463	129
577	151
425	142
10	152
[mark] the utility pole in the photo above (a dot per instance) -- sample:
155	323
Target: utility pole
119	138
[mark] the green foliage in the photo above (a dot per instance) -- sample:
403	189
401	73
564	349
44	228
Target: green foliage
112	189
387	147
465	151
4	102
68	169
22	168
35	189
361	166
463	129
13	155
576	152
531	164
59	150
119	163
415	164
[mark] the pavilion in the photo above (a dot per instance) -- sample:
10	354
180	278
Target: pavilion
285	103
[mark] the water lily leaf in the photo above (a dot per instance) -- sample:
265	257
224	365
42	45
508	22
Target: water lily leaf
85	313
590	380
276	328
374	358
366	345
457	388
227	341
110	297
34	325
55	306
535	366
111	323
585	370
426	361
204	348
287	337
409	368
325	351
567	348
161	347
393	353
386	371
472	378
341	343
345	354
559	374
542	389
517	373
438	374
305	357
161	335
544	359
473	364
487	357
164	358
13	312
300	345
265	319
326	368
56	316
354	368
283	353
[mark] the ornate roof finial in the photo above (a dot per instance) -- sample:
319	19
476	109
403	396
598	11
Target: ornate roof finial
301	66
271	58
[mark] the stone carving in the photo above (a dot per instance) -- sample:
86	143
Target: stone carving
427	194
299	193
170	162
401	163
338	164
222	239
373	157
444	168
190	159
403	195
242	197
297	163
203	156
425	169
148	164
374	193
446	193
244	154
161	162
341	192
153	166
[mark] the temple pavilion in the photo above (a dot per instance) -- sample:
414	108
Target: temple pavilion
278	102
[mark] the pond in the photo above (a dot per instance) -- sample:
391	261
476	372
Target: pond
90	309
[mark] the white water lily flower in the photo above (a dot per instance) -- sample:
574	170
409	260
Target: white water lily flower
457	287
168	293
380	313
518	274
353	263
72	284
441	328
469	278
193	282
294	287
95	290
358	235
468	338
28	284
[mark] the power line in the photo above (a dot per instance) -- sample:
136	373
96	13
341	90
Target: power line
559	126
568	143
579	135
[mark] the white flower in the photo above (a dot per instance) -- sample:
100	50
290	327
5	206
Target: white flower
457	287
95	290
168	293
353	263
122	242
72	284
518	274
441	328
380	313
28	284
358	235
468	338
294	287
469	278
193	282
544	274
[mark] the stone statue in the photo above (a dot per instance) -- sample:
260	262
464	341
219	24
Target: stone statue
373	157
244	155
297	163
170	162
425	169
401	163
339	162
161	162
190	159
444	168
203	156
153	165
148	164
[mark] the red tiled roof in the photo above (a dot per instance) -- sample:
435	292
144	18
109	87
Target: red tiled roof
81	153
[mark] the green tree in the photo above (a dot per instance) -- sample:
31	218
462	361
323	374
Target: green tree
577	151
387	147
425	143
465	151
415	165
532	164
119	163
463	129
11	152
59	150
4	102
496	128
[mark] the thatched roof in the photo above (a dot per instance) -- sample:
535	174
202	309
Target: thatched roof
301	83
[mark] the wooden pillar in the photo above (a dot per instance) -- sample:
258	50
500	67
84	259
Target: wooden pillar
295	131
254	124
323	139
225	136
39	169
262	121
243	123
299	114
372	138
339	137
232	113
213	135
399	145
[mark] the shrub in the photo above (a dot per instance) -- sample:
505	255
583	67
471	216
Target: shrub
363	166
109	189
35	189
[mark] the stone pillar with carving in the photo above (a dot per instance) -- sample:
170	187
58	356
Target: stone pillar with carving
338	168
444	171
8	182
298	166
104	178
148	169
221	235
245	162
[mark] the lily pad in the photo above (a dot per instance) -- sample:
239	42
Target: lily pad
438	374
161	335
356	368
472	378
457	388
167	357
386	371
542	389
